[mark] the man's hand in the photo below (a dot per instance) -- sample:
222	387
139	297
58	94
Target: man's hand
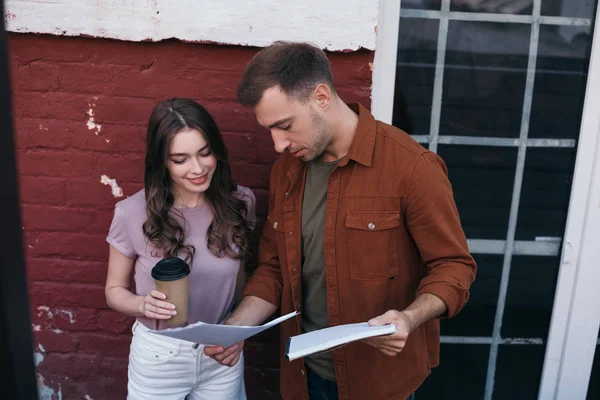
391	345
425	307
251	311
225	356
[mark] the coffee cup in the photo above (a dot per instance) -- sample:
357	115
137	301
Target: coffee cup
171	278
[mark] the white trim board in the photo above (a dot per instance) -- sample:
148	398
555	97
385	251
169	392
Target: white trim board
332	25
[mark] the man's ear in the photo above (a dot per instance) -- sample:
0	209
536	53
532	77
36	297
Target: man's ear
323	96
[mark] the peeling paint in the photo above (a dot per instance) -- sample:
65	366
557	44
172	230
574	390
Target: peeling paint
371	66
42	128
67	313
107	140
57	331
45	392
116	190
90	123
10	17
45	309
42	349
37	358
36	328
87	397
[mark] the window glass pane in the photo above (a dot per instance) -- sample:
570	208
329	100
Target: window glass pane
460	375
484	79
422	4
477	317
530	297
569	8
415	70
518	371
493	6
482	178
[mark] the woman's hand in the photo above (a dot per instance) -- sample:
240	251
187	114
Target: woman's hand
153	306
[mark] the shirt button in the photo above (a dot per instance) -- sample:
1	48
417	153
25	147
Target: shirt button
302	372
275	225
371	226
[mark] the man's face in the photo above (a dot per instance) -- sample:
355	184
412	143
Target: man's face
296	127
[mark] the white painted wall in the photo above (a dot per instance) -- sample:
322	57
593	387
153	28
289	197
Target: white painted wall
331	24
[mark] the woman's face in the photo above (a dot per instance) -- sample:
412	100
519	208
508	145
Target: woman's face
191	163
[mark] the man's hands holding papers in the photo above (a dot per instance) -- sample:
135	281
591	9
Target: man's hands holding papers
391	345
425	307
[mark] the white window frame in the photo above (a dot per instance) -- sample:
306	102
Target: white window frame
575	320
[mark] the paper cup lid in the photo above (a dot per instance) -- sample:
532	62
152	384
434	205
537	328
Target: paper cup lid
170	269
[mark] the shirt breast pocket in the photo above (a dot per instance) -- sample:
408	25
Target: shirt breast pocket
373	244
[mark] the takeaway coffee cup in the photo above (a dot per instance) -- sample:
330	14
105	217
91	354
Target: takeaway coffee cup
171	277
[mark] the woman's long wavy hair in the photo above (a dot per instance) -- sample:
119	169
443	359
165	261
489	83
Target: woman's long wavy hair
229	232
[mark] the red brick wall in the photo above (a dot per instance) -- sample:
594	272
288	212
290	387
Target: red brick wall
67	211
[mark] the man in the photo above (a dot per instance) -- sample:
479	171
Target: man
362	226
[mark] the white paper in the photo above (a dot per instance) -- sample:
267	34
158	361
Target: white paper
328	338
219	335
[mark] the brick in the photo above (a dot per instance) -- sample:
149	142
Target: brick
231	116
63	295
124	167
68	164
239	146
53	342
35	133
75	319
74	366
50	218
70	271
90	78
57	105
42	190
114	322
66	244
92	193
92	387
30	48
263	395
265	149
115	368
123	110
36	77
262	201
262	378
31	133
251	175
106	344
261	354
120	138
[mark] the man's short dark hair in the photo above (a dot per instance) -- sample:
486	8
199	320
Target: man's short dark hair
296	67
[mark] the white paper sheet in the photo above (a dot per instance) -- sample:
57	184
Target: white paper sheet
329	338
219	335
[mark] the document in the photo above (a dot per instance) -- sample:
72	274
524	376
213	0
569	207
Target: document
329	338
219	335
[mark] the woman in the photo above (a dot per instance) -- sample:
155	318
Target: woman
189	208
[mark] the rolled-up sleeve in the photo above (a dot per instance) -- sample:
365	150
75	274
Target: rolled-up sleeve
434	224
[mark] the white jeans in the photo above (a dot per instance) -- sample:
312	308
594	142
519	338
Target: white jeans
171	369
